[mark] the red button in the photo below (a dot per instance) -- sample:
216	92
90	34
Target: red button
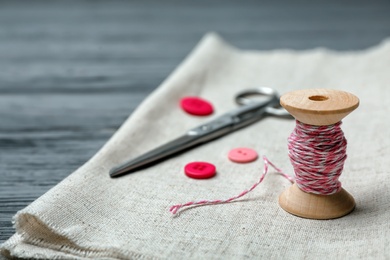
200	170
242	155
196	106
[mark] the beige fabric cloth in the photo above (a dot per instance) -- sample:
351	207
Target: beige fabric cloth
89	215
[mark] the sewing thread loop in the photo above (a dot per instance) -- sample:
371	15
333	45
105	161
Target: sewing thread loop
317	154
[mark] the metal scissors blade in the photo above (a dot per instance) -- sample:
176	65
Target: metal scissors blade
248	113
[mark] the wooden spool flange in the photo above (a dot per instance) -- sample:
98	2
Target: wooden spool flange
318	107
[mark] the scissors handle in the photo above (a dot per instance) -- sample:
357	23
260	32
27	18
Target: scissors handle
274	108
246	97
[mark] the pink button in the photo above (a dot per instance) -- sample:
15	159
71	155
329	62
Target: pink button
242	155
200	170
196	106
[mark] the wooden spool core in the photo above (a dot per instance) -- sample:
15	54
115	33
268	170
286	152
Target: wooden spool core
318	107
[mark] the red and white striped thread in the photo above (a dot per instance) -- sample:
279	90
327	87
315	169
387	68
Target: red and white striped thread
317	154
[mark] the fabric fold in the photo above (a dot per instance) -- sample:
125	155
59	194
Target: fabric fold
90	215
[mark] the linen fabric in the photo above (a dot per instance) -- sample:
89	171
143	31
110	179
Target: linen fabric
90	215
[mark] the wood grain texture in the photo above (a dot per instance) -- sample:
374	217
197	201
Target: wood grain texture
319	106
313	206
72	71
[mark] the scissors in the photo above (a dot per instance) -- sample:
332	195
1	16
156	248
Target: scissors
247	113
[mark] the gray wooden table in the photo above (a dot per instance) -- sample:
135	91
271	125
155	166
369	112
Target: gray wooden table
72	71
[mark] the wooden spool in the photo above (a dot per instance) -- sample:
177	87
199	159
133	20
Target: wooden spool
318	107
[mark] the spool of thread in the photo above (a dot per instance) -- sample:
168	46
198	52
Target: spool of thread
317	151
